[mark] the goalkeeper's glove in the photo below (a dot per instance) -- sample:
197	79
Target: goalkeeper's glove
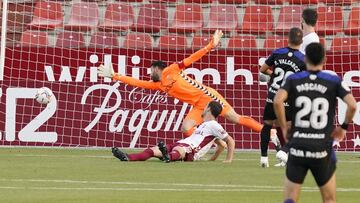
107	72
282	156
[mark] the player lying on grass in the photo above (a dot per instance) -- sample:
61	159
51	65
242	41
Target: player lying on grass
193	147
281	63
313	97
173	81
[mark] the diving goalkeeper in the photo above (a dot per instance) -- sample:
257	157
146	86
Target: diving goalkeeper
172	80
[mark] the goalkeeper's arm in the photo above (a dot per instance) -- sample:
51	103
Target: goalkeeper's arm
108	72
202	52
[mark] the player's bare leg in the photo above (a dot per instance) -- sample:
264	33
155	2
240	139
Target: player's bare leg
291	191
328	191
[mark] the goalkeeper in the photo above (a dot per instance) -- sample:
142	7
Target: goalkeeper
173	81
193	147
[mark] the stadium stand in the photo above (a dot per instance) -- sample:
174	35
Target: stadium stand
34	38
330	20
118	17
290	16
222	17
243	42
48	15
188	18
274	42
84	16
353	25
172	42
151	18
104	40
345	44
138	40
70	39
258	19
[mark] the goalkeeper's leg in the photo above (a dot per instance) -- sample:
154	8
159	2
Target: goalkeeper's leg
192	119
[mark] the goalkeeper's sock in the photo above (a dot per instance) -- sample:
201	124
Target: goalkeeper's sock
265	139
280	136
174	155
250	123
142	156
189	132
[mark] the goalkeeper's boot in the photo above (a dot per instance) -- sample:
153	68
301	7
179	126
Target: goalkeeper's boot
264	162
274	139
119	154
164	151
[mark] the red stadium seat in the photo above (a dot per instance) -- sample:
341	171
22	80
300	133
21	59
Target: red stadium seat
138	41
303	2
34	38
68	39
338	2
200	41
131	1
104	40
199	1
233	1
21	7
48	15
118	17
289	17
353	25
330	20
345	44
275	42
188	18
269	1
84	16
222	17
17	21
172	42
242	42
151	18
257	20
163	1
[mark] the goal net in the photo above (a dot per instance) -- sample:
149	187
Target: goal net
60	44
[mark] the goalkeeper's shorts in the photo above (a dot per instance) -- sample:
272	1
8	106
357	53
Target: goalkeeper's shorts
198	108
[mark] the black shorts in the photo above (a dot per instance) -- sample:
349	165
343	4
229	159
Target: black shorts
322	169
269	113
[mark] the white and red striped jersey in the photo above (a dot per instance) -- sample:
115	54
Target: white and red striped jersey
204	136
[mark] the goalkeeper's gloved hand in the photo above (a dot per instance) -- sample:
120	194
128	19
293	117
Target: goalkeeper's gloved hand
282	156
107	72
216	38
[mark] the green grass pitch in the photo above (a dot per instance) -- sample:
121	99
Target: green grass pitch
79	175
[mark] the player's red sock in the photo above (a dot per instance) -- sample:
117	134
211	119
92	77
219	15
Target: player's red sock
280	136
250	123
189	132
142	156
174	155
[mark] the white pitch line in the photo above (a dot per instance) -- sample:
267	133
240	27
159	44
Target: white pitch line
164	189
111	157
263	187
